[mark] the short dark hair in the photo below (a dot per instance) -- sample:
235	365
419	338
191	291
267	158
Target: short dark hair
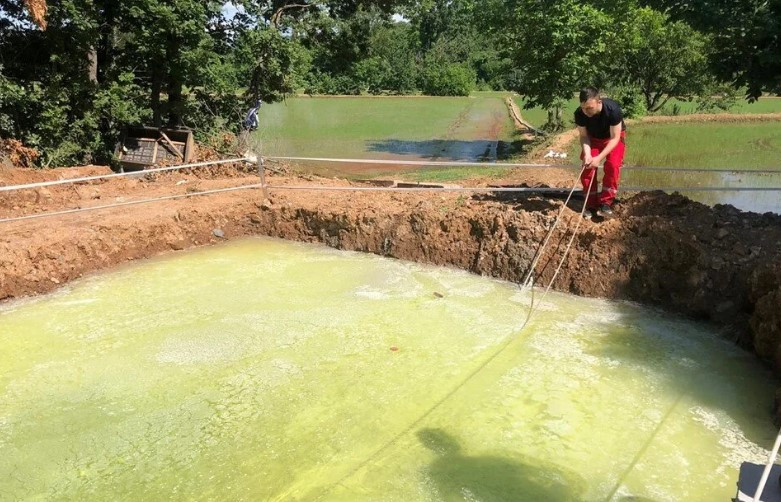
589	93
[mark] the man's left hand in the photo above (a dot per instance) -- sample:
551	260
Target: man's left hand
594	163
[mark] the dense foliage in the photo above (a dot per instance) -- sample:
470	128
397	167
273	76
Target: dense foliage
99	65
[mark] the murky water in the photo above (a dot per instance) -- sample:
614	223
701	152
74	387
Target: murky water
265	370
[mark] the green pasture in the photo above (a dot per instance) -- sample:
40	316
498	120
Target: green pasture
717	145
762	105
538	116
384	127
478	128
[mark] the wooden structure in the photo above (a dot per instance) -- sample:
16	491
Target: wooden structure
142	146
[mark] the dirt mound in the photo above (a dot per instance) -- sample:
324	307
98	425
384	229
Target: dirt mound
14	154
20	176
709	117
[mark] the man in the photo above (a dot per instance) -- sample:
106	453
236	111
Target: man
251	120
602	136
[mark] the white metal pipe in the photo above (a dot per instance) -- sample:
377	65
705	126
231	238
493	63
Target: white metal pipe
768	468
40	184
457	163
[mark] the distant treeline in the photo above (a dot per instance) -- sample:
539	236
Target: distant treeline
99	64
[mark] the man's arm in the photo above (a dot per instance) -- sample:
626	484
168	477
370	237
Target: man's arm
585	144
615	137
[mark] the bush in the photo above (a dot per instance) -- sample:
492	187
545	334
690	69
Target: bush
371	74
717	98
632	101
448	80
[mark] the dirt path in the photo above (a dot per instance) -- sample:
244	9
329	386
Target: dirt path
718	264
475	134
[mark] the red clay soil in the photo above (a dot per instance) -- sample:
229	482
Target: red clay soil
715	264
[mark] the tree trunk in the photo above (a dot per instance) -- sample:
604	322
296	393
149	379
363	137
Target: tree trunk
92	70
555	122
109	35
660	106
175	105
157	85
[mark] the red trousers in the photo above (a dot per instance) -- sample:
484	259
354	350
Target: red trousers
613	163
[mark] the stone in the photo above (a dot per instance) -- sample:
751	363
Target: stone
218	233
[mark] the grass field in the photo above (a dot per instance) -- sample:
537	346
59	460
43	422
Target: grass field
475	128
763	105
538	116
452	174
733	145
390	128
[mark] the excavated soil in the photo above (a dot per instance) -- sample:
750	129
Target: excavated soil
716	264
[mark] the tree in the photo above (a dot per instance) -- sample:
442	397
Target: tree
37	10
746	38
660	58
394	48
102	64
555	47
449	80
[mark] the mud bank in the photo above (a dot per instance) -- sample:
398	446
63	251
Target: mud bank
716	264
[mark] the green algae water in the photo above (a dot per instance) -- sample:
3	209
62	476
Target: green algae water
266	370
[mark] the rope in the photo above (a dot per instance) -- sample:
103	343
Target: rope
512	164
118	175
482	365
366	189
643	448
528	281
130	203
42	184
530	276
566	251
521	190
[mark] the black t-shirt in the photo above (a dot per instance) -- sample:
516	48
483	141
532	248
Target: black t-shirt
598	126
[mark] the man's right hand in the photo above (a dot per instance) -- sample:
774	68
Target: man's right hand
587	159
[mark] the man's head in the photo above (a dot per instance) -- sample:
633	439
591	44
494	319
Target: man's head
590	101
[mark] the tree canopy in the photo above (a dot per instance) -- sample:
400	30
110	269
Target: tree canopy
99	64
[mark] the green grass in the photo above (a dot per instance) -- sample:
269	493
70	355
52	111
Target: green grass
763	105
538	116
452	174
388	128
717	145
738	145
361	127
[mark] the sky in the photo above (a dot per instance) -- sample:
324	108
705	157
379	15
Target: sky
230	10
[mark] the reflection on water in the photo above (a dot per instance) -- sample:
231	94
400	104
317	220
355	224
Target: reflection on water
756	201
268	370
441	129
